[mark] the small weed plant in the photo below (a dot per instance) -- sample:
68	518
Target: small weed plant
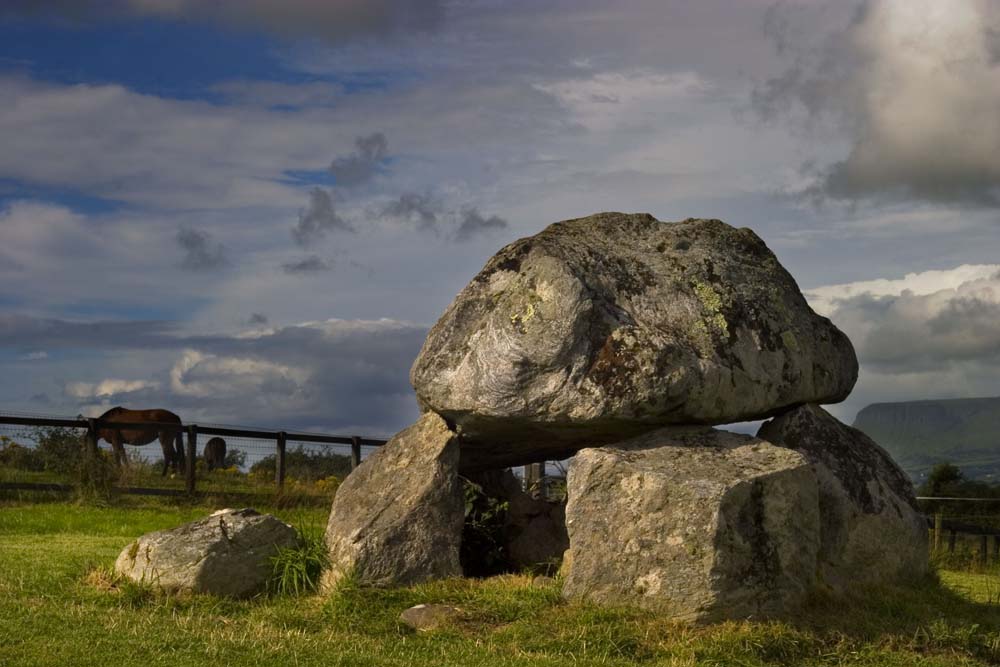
297	569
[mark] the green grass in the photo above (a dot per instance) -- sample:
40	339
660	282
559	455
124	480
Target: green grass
59	606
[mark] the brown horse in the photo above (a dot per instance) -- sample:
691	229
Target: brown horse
215	453
167	435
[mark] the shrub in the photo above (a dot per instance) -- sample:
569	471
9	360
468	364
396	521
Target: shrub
235	458
60	449
304	465
14	455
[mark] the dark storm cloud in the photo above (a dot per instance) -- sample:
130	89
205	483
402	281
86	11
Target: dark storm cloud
310	264
257	318
19	331
360	166
200	254
318	218
913	86
333	21
473	224
338	374
421	209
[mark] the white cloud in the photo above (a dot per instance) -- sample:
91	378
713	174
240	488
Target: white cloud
609	100
107	388
825	300
206	375
197	157
914	85
933	334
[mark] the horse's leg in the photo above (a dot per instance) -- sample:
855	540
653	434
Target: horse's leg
168	451
181	458
117	448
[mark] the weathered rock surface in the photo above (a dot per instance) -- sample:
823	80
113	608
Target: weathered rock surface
425	617
601	328
534	530
397	519
225	554
870	528
699	524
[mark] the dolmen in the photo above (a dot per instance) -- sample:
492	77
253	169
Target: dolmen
620	341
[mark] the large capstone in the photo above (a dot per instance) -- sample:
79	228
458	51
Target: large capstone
228	554
698	524
870	527
397	519
605	327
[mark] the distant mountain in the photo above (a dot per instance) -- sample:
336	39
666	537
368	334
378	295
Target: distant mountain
919	434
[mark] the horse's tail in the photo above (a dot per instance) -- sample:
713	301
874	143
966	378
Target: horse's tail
179	451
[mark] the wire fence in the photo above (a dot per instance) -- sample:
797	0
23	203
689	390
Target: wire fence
964	532
47	452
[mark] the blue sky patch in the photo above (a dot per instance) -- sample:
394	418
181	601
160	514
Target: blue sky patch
80	202
177	60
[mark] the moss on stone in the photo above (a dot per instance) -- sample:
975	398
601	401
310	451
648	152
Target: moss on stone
715	322
518	320
790	341
708	297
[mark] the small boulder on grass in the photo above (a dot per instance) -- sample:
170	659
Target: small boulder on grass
424	617
228	553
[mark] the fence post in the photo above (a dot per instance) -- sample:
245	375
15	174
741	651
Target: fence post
91	439
937	531
951	540
996	548
279	465
355	451
192	449
983	548
534	480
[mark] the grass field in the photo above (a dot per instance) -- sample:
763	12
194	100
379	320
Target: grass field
56	609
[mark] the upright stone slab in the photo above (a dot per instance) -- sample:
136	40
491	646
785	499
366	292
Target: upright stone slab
870	528
226	554
699	524
397	519
601	328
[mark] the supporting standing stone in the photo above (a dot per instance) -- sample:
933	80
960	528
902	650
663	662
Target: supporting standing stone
699	524
397	519
870	527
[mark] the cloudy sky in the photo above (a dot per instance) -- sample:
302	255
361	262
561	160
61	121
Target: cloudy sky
250	211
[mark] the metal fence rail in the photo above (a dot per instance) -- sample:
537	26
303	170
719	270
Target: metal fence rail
263	443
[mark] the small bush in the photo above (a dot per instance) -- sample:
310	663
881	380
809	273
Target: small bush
14	455
304	465
60	449
483	553
235	458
